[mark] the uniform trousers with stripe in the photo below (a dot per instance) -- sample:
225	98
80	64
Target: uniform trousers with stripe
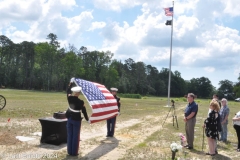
111	126
73	136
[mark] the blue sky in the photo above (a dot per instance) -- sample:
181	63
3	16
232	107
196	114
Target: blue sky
206	38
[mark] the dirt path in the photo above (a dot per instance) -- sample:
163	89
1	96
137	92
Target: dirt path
93	145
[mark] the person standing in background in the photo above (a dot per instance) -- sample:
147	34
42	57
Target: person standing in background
112	121
236	125
190	119
224	112
211	127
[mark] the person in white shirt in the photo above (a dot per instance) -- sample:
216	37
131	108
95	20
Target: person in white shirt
236	125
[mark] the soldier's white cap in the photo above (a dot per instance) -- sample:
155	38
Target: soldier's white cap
76	89
114	89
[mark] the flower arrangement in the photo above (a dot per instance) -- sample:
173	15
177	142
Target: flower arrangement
175	147
183	139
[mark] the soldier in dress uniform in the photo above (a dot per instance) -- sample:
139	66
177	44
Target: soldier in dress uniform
112	121
73	114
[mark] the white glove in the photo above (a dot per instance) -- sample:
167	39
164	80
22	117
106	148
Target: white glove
119	113
89	121
72	80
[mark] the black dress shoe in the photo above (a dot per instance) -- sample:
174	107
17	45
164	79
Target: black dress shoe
189	147
186	145
109	136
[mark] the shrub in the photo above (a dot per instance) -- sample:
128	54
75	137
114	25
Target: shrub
135	96
184	99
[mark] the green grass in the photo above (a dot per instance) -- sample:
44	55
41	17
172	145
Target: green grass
32	105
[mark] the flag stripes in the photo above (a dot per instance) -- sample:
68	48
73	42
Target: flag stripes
102	102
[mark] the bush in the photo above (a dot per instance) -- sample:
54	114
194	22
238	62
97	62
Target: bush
135	96
184	99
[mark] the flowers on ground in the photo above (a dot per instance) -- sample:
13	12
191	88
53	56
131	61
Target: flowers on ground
175	147
183	139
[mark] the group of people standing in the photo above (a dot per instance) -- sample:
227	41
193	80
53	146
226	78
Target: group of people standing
73	114
215	125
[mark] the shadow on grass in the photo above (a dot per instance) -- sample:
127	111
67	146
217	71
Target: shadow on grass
105	147
202	153
221	157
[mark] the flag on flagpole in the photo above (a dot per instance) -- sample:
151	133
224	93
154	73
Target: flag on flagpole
168	11
168	22
102	102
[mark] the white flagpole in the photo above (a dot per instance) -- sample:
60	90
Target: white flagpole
170	63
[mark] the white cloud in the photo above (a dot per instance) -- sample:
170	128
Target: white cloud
200	37
232	7
115	5
97	25
209	69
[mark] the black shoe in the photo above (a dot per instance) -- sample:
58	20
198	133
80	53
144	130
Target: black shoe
186	145
109	136
189	147
216	152
73	154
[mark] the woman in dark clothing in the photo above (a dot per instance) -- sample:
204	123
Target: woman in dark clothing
211	127
73	115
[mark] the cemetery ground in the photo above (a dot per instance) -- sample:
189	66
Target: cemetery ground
139	132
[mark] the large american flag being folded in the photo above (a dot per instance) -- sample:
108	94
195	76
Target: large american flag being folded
102	102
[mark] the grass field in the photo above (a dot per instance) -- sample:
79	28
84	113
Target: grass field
139	133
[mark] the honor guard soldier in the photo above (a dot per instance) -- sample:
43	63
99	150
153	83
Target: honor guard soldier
73	115
112	121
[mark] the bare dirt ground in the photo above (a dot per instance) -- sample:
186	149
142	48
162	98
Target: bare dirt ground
93	144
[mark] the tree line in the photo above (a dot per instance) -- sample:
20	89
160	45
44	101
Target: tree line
47	66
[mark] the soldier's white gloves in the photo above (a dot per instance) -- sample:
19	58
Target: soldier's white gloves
72	80
119	113
89	121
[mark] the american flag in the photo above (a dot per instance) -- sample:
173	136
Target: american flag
102	102
168	11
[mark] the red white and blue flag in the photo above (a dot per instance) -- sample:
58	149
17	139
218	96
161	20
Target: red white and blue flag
102	102
168	11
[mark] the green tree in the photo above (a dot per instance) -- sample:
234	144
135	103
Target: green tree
225	89
6	50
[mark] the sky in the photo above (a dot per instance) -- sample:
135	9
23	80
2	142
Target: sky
205	42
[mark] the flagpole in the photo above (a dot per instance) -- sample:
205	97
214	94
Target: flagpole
170	63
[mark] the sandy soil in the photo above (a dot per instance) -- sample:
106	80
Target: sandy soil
93	144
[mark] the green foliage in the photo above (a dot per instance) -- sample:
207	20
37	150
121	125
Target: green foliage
184	99
176	99
135	96
46	66
141	145
236	89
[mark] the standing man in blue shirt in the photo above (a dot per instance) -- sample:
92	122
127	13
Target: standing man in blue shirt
190	119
